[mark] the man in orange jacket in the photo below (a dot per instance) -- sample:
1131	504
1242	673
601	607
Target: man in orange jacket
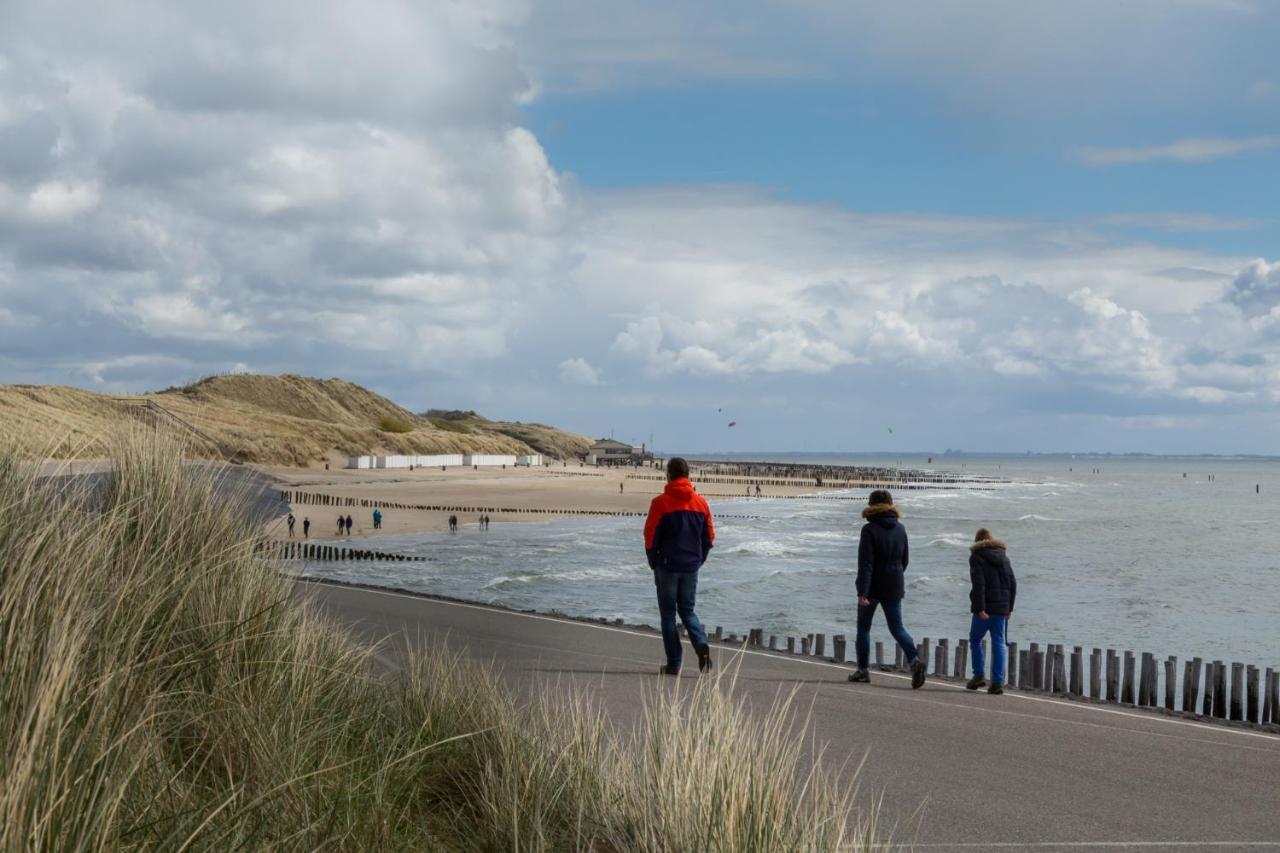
678	536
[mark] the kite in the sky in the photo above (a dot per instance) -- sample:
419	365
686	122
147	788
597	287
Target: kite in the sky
890	429
733	423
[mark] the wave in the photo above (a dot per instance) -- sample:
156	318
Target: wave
1034	517
767	548
958	540
578	575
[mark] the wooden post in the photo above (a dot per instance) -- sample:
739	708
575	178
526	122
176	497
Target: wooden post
1024	668
1050	662
1251	695
805	645
1077	671
962	658
1237	691
820	645
897	656
1144	680
1266	695
1188	698
944	658
1059	670
1126	690
719	634
1210	679
1170	678
1274	693
791	645
879	654
1095	674
839	648
773	642
1113	676
1219	689
922	652
1036	680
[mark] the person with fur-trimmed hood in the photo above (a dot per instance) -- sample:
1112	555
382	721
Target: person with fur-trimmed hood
882	559
991	602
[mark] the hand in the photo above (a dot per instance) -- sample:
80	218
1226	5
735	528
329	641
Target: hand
983	616
863	601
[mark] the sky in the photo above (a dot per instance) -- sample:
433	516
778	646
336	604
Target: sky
992	226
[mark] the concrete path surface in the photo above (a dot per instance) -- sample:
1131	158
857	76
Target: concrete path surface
969	771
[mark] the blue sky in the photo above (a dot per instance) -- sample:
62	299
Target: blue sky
993	225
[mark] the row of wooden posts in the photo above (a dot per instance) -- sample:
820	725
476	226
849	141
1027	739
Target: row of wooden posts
901	485
319	499
317	551
1249	695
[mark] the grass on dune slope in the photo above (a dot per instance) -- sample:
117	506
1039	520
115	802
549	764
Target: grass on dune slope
163	688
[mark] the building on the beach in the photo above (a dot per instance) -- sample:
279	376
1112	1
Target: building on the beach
438	460
530	460
608	451
488	460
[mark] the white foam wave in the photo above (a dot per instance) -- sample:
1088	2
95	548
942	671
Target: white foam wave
1034	517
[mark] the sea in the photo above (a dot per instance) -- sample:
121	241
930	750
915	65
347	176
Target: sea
1174	556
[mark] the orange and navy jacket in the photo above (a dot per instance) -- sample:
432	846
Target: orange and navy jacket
679	531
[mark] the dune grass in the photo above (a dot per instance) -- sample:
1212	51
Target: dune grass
163	688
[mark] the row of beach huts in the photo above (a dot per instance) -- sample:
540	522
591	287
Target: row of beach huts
446	460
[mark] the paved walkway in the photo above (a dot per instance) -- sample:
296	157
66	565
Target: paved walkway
984	772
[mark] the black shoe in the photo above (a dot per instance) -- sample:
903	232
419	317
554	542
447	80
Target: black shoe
996	689
918	671
704	657
861	676
975	682
668	670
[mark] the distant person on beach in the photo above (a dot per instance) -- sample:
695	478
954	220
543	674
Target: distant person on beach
348	525
620	485
453	524
291	520
757	490
341	523
991	603
377	519
306	528
882	559
678	535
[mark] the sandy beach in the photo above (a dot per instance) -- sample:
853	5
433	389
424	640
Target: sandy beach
549	489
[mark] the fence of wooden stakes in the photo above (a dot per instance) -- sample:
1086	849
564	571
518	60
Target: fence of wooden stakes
1206	689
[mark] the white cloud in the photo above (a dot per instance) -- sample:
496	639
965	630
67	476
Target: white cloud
1181	151
577	371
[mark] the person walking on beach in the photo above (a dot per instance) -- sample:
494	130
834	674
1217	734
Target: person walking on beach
882	559
453	524
341	523
348	525
306	528
991	603
377	519
291	520
678	535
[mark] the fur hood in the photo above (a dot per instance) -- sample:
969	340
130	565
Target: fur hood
880	509
988	543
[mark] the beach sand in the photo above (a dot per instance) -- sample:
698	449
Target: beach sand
549	489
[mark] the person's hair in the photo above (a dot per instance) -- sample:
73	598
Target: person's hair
879	496
677	468
982	535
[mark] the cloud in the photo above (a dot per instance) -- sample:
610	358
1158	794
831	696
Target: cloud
576	371
1181	151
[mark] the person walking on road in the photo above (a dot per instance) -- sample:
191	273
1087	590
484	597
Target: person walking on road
883	554
678	535
291	520
377	519
991	603
347	522
306	528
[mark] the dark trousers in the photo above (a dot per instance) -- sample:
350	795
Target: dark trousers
892	616
677	592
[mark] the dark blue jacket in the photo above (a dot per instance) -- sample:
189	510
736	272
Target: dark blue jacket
994	586
679	532
882	554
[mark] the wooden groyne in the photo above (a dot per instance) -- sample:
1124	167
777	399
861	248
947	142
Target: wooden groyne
287	550
1207	689
903	485
342	501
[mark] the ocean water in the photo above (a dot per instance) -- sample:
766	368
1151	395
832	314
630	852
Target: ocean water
1136	556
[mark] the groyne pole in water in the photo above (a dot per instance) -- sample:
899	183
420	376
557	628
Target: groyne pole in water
839	648
1126	690
1095	674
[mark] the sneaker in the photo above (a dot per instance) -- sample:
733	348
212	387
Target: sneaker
996	689
975	682
668	670
918	672
861	676
704	657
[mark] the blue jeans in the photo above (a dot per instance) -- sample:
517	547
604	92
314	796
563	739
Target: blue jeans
893	616
978	628
676	594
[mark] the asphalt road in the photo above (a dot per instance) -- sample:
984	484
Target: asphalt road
969	771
